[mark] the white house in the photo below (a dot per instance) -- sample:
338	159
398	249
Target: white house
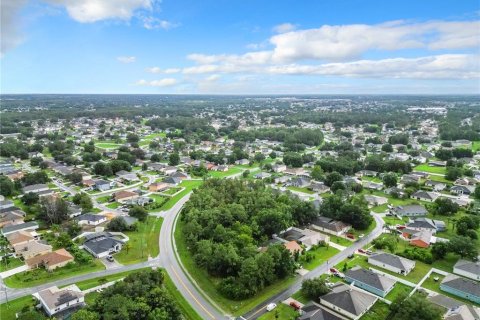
467	269
55	300
392	262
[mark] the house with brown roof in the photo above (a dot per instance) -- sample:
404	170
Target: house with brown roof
158	187
51	260
124	195
55	300
293	246
20	237
31	249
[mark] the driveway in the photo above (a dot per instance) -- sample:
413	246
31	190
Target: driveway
110	265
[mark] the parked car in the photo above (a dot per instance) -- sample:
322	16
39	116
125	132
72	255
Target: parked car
333	270
362	251
351	256
295	305
339	274
369	252
350	236
361	236
110	258
271	306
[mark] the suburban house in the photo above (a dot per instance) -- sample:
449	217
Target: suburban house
330	226
392	262
425	196
262	175
6	204
126	176
348	301
463	312
461	287
306	237
436	185
180	175
279	168
462	190
374	200
35	188
12	217
124	195
169	170
30	226
467	269
411	210
293	246
426	224
102	185
91	219
372	185
55	300
172	181
102	244
158	187
421	239
31	249
50	260
20	237
299	182
370	281
319	187
314	311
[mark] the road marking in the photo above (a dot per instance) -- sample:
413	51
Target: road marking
183	284
256	313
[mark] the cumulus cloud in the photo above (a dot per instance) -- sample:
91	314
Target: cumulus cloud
86	11
284	27
10	33
126	59
166	82
165	71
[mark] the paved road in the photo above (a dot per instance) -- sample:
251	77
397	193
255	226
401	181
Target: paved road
168	260
261	309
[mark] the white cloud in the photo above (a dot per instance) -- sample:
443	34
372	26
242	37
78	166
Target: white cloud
126	59
212	78
151	23
166	82
10	34
165	71
284	27
86	11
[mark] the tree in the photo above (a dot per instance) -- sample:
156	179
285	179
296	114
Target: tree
35	161
387	148
138	212
337	185
119	165
53	210
439	250
390	180
84	314
463	246
332	177
317	173
102	169
173	159
445	207
75	177
314	288
273	155
417	307
30	198
258	157
293	159
476	193
83	200
117	224
7	188
453	173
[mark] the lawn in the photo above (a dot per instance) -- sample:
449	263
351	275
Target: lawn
399	288
300	297
321	254
221	174
91	283
158	203
208	283
12	263
304	190
281	312
185	307
171	190
103	199
40	276
433	285
379	311
143	242
8	310
188	186
107	145
475	146
340	240
426	168
113	205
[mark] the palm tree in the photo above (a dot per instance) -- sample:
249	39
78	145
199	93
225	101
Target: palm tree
127	247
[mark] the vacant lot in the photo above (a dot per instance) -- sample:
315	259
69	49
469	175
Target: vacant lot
427	168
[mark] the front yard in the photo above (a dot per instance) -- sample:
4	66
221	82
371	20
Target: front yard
320	255
426	168
281	312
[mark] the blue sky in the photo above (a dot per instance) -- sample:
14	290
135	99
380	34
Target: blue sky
240	47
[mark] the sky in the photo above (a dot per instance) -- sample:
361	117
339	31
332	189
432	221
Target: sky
240	47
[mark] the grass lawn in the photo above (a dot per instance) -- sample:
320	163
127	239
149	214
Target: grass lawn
188	186
221	174
107	145
379	311
143	242
433	285
373	179
185	307
208	283
366	231
321	254
91	283
281	312
8	310
300	297
113	205
91	297
447	263
103	199
12	263
155	135
380	209
171	190
40	276
399	288
439	179
340	240
304	190
426	168
475	146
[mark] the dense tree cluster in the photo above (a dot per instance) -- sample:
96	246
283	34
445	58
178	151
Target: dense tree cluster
293	138
353	210
227	220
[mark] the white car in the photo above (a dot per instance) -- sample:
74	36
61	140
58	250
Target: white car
271	306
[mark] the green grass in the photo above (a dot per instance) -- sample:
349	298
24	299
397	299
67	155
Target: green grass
339	240
143	242
171	190
433	285
379	311
304	190
373	179
380	209
91	283
426	168
185	307
209	283
447	263
475	146
12	263
8	310
397	290
321	254
221	174
300	297
439	179
91	297
40	276
107	145
103	199
281	312
113	205
188	186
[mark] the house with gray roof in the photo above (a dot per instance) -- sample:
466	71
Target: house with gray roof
411	210
425	196
30	226
55	300
426	224
348	301
392	262
91	219
35	188
467	269
328	225
370	281
102	244
314	311
461	287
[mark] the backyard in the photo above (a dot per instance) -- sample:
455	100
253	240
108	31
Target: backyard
426	168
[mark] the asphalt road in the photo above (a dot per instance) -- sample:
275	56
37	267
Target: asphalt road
323	268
